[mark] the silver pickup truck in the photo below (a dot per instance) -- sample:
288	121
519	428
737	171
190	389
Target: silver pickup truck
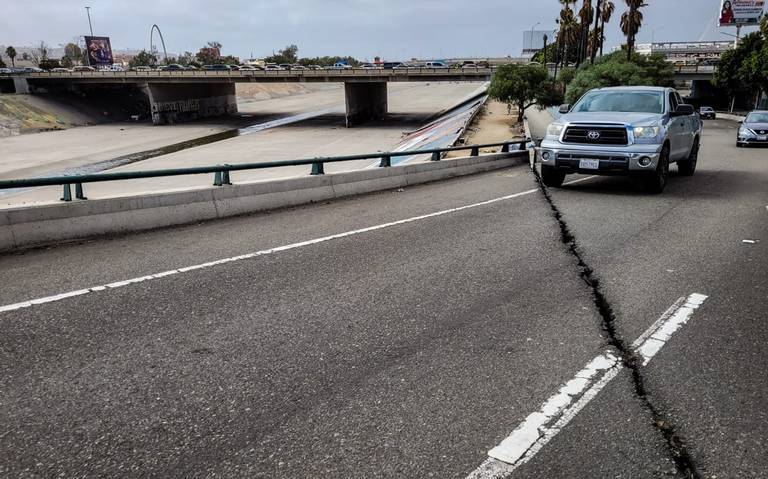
630	131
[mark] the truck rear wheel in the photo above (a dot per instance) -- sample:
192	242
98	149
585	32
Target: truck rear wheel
551	176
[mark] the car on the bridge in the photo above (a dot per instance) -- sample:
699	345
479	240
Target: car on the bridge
5	71
315	67
216	67
285	66
628	131
370	66
273	66
754	129
435	65
707	112
83	68
60	70
174	67
250	68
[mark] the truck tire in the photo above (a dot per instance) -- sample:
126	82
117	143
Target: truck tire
551	176
688	166
657	181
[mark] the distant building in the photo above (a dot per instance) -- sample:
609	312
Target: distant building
533	41
688	53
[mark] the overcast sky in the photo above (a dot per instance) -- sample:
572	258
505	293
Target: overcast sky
393	29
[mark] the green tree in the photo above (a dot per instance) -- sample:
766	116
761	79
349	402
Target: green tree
288	54
631	21
743	71
11	52
73	53
143	59
616	70
522	86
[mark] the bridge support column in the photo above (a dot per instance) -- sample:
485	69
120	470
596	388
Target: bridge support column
365	101
20	84
179	102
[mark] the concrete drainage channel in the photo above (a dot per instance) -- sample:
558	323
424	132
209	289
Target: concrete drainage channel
676	447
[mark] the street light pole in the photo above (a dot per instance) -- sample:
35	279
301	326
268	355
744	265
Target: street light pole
531	45
88	11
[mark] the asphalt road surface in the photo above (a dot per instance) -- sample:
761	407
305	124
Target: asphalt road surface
422	329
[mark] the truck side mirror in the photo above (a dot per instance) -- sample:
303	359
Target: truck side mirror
683	110
564	108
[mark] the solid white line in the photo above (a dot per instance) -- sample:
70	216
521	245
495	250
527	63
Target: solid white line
541	426
118	284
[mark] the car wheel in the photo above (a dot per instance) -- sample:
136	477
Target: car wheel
552	177
688	166
658	179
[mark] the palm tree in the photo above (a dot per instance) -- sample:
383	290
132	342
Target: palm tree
569	32
631	21
585	15
606	11
11	52
593	50
593	43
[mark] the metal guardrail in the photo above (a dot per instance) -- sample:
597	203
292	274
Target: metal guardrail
222	172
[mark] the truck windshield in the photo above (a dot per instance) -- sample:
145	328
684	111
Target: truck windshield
623	101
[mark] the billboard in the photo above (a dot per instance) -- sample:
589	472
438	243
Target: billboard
740	12
98	51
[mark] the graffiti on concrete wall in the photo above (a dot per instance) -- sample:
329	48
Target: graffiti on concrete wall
181	106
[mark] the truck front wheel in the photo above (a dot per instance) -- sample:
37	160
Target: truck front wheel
657	180
551	176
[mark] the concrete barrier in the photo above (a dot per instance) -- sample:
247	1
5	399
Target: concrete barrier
22	227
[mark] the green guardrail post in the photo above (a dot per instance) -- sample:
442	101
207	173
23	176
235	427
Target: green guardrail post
522	146
217	179
225	177
79	192
317	168
475	151
435	156
67	196
505	148
386	162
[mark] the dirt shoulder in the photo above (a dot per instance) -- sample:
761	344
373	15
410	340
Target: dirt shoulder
491	125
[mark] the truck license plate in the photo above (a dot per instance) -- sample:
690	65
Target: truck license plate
589	164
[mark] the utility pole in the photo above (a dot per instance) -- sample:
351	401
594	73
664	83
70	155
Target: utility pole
88	11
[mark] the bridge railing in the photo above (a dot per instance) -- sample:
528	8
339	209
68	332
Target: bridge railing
373	72
222	172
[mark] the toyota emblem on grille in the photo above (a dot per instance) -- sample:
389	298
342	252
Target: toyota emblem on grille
593	135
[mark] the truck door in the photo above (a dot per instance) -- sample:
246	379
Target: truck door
676	126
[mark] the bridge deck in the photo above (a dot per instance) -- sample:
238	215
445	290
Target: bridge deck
350	75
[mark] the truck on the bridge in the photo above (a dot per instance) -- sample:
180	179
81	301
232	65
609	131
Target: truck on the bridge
630	131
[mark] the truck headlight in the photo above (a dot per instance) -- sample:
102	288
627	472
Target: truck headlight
646	132
555	129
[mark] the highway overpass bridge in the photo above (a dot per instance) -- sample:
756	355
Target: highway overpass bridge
184	95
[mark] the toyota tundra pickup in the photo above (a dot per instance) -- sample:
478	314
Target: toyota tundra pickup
630	131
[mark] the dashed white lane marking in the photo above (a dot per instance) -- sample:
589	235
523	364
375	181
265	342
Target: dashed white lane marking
541	426
118	284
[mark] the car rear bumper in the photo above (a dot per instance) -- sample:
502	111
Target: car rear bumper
612	161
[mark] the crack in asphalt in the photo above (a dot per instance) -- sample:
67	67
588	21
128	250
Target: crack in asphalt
679	453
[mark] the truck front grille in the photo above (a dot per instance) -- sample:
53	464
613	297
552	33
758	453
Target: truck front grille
597	135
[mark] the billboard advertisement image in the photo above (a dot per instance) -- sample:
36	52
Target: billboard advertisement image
99	51
740	12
